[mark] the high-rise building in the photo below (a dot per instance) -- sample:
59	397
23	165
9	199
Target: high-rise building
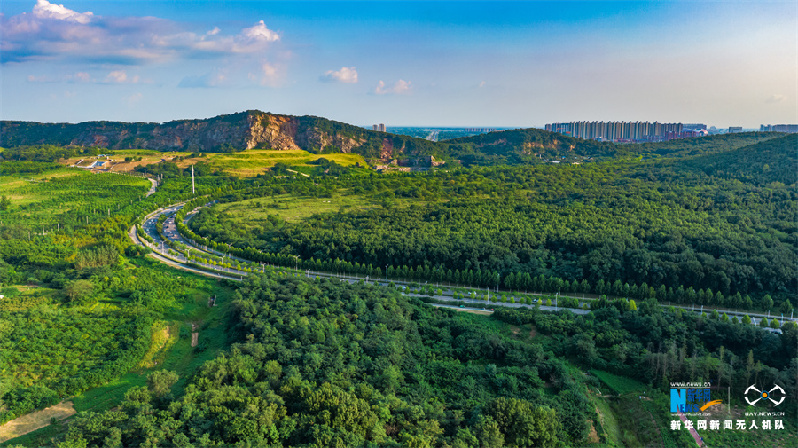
735	129
695	127
618	130
382	127
374	127
788	128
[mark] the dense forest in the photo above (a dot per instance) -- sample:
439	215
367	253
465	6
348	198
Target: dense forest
324	363
90	317
693	230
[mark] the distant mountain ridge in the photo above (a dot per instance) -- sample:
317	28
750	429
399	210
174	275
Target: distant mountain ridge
254	129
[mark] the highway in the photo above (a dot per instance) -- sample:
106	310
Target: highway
177	259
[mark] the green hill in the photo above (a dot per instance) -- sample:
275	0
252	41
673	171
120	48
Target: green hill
263	130
773	160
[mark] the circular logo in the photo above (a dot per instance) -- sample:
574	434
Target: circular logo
776	395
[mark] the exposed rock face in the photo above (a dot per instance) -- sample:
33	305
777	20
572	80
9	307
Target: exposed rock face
246	130
260	130
271	132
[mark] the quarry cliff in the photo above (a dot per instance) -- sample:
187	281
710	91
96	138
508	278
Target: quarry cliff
225	133
254	129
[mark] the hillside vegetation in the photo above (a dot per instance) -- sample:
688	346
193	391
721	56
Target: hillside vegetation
262	130
661	228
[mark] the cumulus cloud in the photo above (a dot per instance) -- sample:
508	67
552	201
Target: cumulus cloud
259	33
347	75
47	10
56	33
399	88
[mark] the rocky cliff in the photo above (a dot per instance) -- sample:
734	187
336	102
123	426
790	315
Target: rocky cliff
261	130
225	133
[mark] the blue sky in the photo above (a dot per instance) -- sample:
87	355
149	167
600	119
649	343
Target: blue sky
508	64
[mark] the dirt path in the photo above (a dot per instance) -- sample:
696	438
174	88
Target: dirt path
35	420
693	432
194	335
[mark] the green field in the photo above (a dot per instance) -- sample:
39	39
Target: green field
64	195
291	208
256	161
619	384
248	163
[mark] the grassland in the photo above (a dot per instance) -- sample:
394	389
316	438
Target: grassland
291	208
619	384
253	162
248	163
60	196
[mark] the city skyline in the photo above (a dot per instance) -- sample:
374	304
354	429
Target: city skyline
516	64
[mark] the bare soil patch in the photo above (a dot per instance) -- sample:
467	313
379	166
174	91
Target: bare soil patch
593	437
35	420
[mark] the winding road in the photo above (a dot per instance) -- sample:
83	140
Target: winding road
164	254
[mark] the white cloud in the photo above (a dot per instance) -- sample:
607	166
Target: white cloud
47	10
347	75
54	33
259	32
399	88
120	77
268	74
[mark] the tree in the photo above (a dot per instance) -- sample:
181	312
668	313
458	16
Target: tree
767	302
488	433
161	381
746	320
764	322
632	305
79	291
525	425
